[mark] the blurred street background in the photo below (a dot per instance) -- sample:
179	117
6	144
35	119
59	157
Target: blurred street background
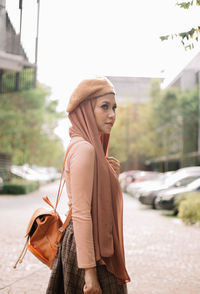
150	52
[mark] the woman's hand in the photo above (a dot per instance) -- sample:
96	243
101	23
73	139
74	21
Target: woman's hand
91	282
115	164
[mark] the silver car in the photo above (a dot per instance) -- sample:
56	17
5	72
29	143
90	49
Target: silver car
165	199
181	177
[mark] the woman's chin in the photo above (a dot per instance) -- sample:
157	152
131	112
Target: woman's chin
107	131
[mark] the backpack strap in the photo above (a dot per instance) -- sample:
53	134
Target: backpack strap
61	189
69	214
63	227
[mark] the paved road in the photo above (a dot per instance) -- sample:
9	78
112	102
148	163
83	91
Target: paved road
163	255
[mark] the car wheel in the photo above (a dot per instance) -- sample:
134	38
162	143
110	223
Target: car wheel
175	211
154	204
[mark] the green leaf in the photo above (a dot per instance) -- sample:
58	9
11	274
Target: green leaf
163	38
185	5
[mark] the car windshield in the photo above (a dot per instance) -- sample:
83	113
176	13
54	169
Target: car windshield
195	184
170	181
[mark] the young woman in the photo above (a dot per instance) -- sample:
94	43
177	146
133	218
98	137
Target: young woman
90	258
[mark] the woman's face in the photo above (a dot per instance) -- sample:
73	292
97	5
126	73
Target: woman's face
104	112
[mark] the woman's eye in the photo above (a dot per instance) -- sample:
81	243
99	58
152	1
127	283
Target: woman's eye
114	108
104	106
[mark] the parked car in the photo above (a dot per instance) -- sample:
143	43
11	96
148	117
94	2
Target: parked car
165	199
126	178
137	176
181	177
35	173
135	188
50	172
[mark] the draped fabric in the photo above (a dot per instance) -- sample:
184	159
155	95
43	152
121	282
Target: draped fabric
107	201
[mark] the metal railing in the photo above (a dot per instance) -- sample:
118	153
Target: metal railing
17	81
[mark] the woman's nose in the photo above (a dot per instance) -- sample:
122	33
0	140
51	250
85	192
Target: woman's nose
111	113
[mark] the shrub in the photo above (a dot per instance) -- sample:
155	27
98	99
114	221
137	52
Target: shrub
189	208
177	201
19	187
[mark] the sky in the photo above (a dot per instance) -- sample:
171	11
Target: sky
103	37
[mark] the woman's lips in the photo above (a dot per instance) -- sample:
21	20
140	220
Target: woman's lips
110	124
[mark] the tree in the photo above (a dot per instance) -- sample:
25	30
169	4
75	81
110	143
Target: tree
188	37
175	117
168	122
167	125
27	121
133	134
189	113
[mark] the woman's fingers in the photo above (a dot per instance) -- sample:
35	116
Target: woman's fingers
115	164
113	161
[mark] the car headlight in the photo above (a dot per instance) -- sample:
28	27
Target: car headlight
169	197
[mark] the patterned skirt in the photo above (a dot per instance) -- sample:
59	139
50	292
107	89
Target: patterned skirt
67	278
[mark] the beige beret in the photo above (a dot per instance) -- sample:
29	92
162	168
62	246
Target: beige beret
89	88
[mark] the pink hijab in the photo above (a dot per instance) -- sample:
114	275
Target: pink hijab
107	201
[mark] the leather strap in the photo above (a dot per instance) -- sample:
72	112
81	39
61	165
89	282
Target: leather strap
63	227
61	189
69	215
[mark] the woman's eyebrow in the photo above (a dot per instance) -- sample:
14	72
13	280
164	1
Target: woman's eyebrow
108	102
105	102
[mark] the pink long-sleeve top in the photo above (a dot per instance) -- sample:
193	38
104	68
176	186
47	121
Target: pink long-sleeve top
79	174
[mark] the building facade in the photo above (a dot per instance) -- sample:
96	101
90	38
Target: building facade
132	89
16	72
188	77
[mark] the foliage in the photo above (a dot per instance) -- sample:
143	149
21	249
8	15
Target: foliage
160	128
175	114
188	4
118	143
167	121
20	187
189	208
177	201
130	139
189	112
133	134
27	121
188	37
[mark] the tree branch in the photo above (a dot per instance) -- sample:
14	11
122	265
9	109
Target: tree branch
187	38
187	5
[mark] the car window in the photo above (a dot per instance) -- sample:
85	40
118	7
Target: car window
185	181
194	184
171	180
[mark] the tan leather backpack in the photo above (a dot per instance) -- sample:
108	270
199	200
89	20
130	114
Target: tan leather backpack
45	229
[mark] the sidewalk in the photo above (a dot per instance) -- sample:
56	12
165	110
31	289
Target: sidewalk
162	254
